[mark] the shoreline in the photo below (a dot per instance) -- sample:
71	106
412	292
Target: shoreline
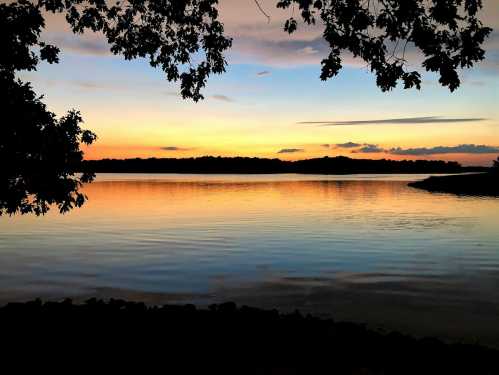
470	322
474	184
341	346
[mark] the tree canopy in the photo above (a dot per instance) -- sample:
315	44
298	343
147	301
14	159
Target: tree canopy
447	33
42	154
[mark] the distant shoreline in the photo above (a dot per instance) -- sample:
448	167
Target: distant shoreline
339	165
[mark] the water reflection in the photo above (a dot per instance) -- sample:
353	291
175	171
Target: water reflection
368	249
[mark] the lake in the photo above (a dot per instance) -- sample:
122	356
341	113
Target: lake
364	248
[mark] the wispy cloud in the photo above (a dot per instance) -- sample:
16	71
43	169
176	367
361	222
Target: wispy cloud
348	145
369	149
396	121
100	85
171	93
129	86
309	50
263	73
175	148
222	98
92	44
279	52
491	45
290	150
460	149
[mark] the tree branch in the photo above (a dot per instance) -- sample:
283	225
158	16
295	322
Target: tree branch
262	11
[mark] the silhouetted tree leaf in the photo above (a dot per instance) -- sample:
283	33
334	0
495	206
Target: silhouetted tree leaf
447	33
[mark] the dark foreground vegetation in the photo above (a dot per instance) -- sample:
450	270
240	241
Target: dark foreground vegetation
480	184
326	165
227	339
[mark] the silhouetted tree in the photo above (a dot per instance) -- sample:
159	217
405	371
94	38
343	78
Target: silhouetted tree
496	165
40	154
447	33
185	39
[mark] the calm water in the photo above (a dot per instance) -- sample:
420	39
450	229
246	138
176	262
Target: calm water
365	248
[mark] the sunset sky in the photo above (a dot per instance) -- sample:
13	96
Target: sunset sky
271	101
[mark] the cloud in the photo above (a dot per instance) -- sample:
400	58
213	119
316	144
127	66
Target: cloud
326	145
491	47
175	148
308	50
460	149
171	93
92	44
222	98
263	73
348	145
290	150
263	41
464	81
100	85
369	149
475	83
407	120
128	86
288	52
89	85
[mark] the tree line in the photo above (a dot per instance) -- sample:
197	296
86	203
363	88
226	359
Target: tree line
247	165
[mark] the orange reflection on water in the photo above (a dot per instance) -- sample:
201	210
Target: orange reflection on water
207	199
141	202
